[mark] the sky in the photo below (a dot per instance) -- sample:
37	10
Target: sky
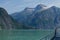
18	5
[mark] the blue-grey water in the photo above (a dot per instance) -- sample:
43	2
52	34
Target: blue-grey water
24	34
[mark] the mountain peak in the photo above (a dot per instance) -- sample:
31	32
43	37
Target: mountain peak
1	9
27	8
53	7
40	6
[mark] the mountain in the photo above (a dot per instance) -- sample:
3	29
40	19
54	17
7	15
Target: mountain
45	19
6	21
40	17
21	16
40	6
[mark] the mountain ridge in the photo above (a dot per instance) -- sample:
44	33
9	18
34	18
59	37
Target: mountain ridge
45	18
6	21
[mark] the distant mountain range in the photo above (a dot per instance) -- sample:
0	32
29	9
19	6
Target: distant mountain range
6	21
39	17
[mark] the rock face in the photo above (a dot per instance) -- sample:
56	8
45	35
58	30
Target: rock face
41	18
45	19
39	7
22	16
6	21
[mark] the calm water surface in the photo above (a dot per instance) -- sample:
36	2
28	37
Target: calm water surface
23	34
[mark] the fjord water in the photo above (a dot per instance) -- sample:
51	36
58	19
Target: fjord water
25	34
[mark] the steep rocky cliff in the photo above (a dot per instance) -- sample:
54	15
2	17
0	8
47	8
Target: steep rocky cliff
6	21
